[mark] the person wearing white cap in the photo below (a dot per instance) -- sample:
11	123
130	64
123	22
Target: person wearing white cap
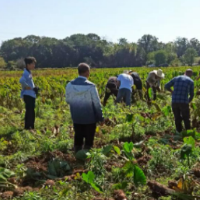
153	81
125	89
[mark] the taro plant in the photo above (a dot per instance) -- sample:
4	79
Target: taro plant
187	149
90	179
4	175
97	160
130	168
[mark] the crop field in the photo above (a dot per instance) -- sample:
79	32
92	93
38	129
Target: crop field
137	153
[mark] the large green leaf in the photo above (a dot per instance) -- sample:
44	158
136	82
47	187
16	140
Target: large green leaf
129	117
150	92
58	168
186	150
89	177
2	178
166	110
106	149
97	187
188	133
139	176
189	140
5	173
128	147
117	150
128	169
81	155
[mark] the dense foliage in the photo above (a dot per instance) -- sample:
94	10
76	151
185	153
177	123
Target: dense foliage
98	52
134	148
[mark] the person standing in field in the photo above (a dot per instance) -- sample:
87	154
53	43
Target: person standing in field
153	81
125	82
85	108
29	92
111	88
183	88
138	83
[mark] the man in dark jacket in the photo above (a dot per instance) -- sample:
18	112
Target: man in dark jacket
138	83
111	89
85	107
183	87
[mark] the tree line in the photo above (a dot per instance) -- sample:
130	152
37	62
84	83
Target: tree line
98	52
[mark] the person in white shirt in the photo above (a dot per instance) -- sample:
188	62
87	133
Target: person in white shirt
125	89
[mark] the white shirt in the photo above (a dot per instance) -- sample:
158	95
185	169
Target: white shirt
126	81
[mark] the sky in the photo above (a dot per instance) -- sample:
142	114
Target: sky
110	19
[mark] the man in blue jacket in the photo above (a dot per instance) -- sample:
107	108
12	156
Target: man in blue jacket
85	107
29	92
183	87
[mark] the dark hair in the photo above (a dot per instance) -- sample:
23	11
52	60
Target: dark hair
83	67
29	60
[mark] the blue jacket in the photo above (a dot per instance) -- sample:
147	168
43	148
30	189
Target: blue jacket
83	98
27	81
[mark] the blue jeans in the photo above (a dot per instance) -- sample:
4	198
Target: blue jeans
124	94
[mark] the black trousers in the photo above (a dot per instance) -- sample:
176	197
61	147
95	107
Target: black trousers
109	91
82	131
30	112
181	112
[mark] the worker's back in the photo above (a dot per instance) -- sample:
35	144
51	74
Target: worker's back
126	81
183	86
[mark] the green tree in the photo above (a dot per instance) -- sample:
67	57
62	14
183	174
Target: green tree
175	63
2	63
11	65
194	43
149	43
171	56
189	56
151	58
182	44
160	57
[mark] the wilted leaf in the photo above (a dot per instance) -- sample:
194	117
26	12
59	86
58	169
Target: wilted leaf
156	106
97	129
